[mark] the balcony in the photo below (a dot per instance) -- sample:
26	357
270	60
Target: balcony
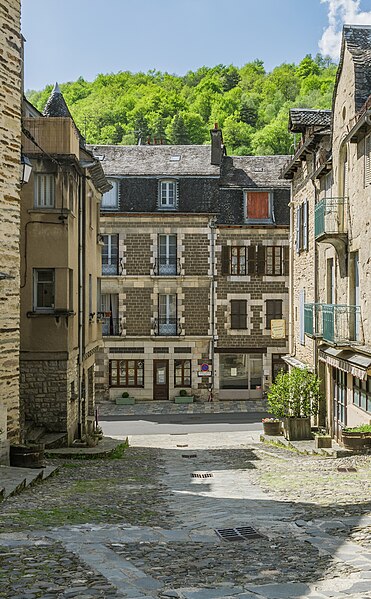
330	218
167	327
167	268
110	269
337	324
110	326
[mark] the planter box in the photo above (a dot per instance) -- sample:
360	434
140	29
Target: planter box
322	441
356	441
125	401
272	428
184	399
297	429
27	456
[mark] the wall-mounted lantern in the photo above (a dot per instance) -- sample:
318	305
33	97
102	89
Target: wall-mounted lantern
26	169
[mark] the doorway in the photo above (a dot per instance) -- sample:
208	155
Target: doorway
160	380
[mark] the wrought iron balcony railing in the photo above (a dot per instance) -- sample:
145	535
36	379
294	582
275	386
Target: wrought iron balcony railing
167	268
338	324
330	218
169	327
110	269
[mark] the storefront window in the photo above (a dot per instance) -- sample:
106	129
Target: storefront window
240	371
362	394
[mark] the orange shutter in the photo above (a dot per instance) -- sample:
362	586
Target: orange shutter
258	204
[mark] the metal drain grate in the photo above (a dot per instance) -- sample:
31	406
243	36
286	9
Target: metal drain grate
202	475
240	533
189	455
349	469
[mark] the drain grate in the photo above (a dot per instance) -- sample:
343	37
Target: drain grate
240	533
202	475
189	455
348	469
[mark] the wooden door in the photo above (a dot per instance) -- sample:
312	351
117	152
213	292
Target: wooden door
160	380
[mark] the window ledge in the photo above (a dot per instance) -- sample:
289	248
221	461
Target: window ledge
51	210
55	313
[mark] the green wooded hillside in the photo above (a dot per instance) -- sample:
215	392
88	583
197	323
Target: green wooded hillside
249	104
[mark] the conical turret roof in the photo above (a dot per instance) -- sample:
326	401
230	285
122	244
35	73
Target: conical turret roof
56	104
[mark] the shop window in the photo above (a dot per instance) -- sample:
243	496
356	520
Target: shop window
126	373
240	371
182	373
362	393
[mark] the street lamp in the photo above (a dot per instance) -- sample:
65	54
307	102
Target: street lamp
26	169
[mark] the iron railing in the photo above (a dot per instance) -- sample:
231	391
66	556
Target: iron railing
167	268
313	320
335	323
169	327
330	217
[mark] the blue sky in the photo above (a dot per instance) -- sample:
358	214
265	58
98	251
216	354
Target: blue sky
69	38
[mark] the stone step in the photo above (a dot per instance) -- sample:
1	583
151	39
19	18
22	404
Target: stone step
14	480
34	434
53	440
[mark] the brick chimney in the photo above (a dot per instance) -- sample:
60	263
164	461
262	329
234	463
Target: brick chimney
217	148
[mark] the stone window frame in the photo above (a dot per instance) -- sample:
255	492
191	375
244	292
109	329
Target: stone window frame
238	314
138	366
166	181
110	254
228	314
285	309
36	272
44	188
114	192
186	364
272	314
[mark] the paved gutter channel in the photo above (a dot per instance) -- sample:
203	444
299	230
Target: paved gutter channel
187	559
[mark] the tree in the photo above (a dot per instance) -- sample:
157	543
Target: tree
177	131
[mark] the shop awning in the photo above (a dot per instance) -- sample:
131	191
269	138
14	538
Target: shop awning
295	363
346	360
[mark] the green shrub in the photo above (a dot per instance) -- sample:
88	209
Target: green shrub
125	394
362	428
295	394
183	393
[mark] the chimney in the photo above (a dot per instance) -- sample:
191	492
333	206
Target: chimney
217	148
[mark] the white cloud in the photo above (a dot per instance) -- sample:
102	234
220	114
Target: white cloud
341	12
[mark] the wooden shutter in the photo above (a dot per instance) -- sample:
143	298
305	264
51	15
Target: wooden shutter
238	314
257	205
261	260
298	222
226	260
305	224
286	260
368	160
251	260
301	316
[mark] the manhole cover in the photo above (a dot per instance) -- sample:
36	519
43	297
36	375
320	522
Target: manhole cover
189	455
240	533
349	469
202	475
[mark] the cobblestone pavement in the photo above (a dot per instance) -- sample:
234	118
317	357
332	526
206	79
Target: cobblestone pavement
143	525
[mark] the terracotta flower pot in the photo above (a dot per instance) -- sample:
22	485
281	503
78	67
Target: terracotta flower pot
272	428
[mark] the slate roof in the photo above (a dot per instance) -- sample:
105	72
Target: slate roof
301	118
253	171
357	38
56	104
156	160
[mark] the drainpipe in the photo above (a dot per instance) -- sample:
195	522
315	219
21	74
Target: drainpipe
292	350
212	225
80	305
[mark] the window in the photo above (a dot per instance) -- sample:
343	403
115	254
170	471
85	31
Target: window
167	320
167	255
238	260
339	394
258	206
273	311
362	393
110	314
302	227
276	260
238	314
110	254
110	199
127	373
255	260
182	373
168	195
240	371
44	190
44	289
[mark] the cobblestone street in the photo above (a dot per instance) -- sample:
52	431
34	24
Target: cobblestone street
143	525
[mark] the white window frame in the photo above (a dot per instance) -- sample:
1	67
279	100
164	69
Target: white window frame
112	260
166	200
110	199
167	261
44	190
36	272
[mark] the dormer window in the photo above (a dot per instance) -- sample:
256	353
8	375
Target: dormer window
258	206
110	199
168	194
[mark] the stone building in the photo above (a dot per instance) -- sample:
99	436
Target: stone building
60	259
335	314
10	179
178	311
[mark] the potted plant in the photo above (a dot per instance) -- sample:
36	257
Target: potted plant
357	438
271	426
183	397
125	400
294	397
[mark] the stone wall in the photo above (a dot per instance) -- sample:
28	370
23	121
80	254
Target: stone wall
196	310
10	150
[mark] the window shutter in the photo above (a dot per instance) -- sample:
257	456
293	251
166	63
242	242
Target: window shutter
176	194
305	224
226	260
251	260
367	160
238	314
261	259
286	260
301	315
258	205
298	220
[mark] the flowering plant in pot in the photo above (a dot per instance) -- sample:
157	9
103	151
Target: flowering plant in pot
272	426
357	437
294	397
